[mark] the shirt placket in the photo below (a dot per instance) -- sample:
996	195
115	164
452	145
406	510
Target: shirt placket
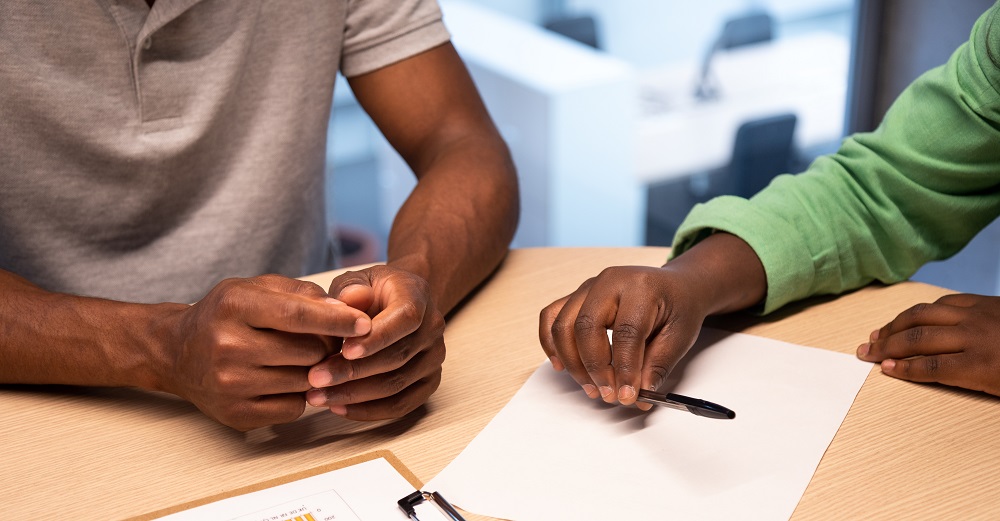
160	98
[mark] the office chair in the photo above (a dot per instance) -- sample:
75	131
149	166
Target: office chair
746	30
763	148
582	28
756	27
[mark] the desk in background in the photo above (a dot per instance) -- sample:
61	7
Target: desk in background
905	451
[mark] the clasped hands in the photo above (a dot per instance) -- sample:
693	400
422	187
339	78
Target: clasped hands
255	351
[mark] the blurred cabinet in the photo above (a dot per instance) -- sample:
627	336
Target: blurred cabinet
568	114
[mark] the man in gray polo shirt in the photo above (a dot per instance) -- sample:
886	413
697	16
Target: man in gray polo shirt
154	154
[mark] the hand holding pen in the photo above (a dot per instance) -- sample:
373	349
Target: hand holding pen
654	315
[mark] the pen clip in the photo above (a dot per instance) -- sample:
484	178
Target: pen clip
408	505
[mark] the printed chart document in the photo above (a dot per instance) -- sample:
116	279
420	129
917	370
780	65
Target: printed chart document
552	453
361	489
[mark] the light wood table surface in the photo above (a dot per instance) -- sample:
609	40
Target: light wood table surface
905	451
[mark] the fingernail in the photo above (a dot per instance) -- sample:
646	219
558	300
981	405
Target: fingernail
590	390
888	365
606	392
874	336
863	350
320	378
362	326
556	364
349	286
339	410
626	392
352	351
316	398
333	301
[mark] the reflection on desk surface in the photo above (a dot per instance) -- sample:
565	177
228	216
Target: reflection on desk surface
678	134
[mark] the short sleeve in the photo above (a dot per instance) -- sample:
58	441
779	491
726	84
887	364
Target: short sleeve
382	32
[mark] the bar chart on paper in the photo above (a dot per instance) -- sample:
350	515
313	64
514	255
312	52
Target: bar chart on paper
365	491
325	506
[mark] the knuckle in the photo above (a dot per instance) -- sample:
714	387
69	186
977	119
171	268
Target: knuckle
437	324
267	279
293	314
398	354
624	367
438	354
915	334
584	324
229	296
932	366
626	333
222	380
410	312
562	330
394	383
593	366
400	408
548	314
354	369
659	374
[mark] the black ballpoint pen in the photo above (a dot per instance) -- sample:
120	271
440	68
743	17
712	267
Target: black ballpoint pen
685	403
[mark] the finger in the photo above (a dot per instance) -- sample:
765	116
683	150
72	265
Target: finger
948	369
404	308
250	382
354	288
381	385
288	285
634	322
278	348
546	319
596	316
266	410
921	315
915	341
293	313
336	369
279	380
663	351
564	336
393	407
963	300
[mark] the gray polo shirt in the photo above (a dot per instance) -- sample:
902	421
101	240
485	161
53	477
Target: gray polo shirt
145	155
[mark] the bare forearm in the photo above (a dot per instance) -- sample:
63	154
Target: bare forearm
51	338
457	225
726	273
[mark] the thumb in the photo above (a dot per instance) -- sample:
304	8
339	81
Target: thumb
354	288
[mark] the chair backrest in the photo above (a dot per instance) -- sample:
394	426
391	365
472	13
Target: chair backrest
581	28
745	30
762	150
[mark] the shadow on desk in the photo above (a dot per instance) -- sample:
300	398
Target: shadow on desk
315	428
318	427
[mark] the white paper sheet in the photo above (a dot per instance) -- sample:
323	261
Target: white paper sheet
554	454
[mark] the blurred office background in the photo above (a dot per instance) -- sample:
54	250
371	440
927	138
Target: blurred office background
622	115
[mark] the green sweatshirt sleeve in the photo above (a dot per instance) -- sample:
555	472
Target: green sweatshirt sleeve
916	189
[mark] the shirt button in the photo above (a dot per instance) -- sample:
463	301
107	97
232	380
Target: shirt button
147	43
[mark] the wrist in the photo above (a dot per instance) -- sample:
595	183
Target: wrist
157	339
411	263
724	273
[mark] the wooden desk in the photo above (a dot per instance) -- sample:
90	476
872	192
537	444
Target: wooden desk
905	451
